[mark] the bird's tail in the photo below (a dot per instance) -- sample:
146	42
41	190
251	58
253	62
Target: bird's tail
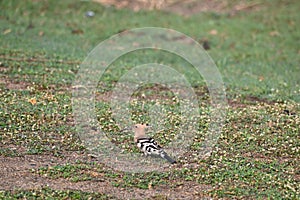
167	157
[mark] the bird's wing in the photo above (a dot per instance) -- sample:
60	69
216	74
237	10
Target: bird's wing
148	145
155	143
148	141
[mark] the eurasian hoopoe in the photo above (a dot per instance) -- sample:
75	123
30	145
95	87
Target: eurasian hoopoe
147	144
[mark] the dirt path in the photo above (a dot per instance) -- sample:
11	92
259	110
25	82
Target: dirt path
16	173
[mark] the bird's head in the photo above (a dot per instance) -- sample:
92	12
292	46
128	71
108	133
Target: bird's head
139	130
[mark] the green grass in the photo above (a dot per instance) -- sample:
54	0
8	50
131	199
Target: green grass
257	52
47	193
42	44
231	176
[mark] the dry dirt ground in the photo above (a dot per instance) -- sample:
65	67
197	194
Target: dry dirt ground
17	173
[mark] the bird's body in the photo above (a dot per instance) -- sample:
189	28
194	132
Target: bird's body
148	145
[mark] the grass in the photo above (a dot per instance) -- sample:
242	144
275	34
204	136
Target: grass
47	193
257	53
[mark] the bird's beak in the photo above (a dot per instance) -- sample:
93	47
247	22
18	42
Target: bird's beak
125	129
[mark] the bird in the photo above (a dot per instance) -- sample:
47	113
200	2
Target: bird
147	144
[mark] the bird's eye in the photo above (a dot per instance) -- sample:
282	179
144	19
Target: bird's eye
147	124
135	126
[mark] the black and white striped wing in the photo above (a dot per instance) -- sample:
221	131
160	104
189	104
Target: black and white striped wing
149	146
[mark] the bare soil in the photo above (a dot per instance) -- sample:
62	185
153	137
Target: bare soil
17	173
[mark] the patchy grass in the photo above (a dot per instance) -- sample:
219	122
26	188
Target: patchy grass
257	157
39	120
257	53
48	193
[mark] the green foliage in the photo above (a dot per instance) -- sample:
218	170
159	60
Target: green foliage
47	193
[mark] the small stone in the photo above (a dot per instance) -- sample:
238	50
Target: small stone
89	14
